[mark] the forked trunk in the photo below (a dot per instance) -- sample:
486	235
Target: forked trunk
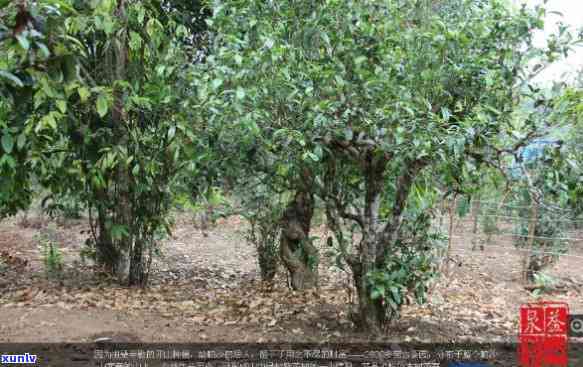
373	315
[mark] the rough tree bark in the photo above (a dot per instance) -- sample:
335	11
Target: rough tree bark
298	254
377	239
106	253
137	270
371	315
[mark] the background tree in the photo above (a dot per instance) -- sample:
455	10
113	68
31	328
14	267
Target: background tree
541	175
25	32
570	108
106	117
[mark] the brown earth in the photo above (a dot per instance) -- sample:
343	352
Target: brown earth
207	289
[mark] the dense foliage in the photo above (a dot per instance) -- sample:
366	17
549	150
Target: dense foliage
103	119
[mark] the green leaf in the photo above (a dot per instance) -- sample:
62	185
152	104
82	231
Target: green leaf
141	14
445	114
119	231
102	105
8	161
216	83
7	143
396	294
171	132
13	78
176	154
47	89
135	41
378	292
50	121
493	110
21	141
348	135
104	6
44	50
23	41
84	93
282	169
359	60
108	25
318	152
152	27
62	106
313	156
160	70
240	93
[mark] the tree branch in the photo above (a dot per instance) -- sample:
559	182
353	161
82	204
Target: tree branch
404	183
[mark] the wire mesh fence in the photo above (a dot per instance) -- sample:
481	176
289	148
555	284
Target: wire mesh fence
527	238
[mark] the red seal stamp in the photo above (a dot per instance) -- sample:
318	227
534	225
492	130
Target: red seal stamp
543	335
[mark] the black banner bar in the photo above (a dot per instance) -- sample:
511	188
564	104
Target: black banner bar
105	354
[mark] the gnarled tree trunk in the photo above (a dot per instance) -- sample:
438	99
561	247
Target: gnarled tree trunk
298	254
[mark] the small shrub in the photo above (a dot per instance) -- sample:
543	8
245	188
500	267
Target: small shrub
51	255
62	207
264	235
543	283
264	210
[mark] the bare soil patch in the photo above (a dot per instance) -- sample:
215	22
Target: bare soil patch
208	289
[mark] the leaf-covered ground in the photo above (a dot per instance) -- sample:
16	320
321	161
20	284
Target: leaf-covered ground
207	289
